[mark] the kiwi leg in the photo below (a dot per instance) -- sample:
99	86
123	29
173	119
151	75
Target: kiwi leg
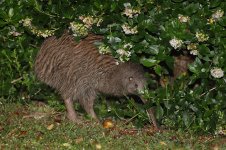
71	114
88	107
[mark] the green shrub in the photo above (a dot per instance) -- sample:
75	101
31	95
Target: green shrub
146	31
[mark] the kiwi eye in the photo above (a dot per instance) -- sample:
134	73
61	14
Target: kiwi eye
130	78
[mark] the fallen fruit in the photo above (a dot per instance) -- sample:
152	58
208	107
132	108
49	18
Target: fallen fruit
50	127
98	146
108	124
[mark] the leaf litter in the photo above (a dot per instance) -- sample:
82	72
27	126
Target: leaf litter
49	121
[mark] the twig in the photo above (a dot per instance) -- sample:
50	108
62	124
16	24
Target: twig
16	80
207	92
131	119
33	45
119	116
37	92
149	117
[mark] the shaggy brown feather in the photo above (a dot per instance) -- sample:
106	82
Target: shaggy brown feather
79	72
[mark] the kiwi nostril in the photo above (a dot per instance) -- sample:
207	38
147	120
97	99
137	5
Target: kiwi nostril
136	85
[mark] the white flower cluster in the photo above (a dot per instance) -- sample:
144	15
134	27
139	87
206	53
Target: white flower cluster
124	53
128	46
202	37
78	29
194	52
192	47
183	19
210	21
13	32
44	33
129	30
90	20
104	49
218	14
130	11
26	22
217	72
176	43
40	33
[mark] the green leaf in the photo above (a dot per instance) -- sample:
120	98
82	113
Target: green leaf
203	50
194	108
215	3
158	70
169	62
68	13
193	79
195	67
153	49
159	112
222	21
167	104
3	14
192	8
186	119
113	6
113	40
148	62
37	5
2	23
11	12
